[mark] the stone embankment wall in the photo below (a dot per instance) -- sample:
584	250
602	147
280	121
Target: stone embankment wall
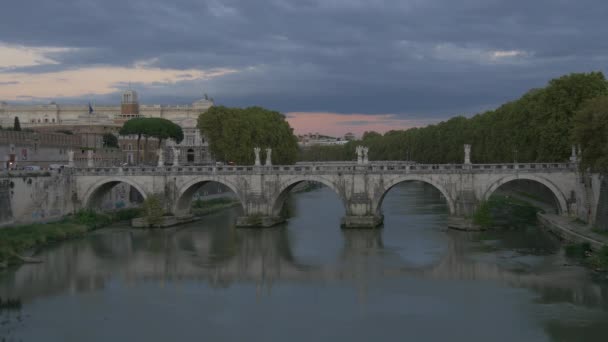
34	197
49	196
570	231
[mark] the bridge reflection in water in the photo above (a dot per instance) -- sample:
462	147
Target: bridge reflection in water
222	257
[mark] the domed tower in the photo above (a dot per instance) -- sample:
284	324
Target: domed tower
129	104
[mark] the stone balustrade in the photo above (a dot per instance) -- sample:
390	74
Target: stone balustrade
375	167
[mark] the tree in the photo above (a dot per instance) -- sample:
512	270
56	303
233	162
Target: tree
590	131
162	129
134	126
110	140
234	132
17	124
153	210
158	128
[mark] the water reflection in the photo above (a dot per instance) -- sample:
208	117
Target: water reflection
310	252
221	256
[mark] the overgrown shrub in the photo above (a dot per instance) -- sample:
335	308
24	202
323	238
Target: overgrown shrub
153	211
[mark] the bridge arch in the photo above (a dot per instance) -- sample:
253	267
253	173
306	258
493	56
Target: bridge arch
95	192
185	193
557	193
377	205
285	187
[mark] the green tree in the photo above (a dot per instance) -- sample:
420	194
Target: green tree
163	129
590	132
158	128
137	127
17	124
110	140
234	132
153	210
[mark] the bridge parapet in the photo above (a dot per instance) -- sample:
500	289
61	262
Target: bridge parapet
333	168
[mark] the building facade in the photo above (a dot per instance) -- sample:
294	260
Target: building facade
89	123
19	149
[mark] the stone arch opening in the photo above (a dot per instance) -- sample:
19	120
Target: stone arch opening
114	194
293	184
440	189
203	193
535	190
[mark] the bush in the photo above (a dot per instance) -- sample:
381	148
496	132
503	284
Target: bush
127	214
599	259
505	212
579	250
482	216
153	211
92	219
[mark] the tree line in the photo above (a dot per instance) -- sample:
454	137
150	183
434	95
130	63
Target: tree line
541	126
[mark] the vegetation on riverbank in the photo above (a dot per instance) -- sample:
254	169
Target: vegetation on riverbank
15	240
598	260
505	212
153	211
206	207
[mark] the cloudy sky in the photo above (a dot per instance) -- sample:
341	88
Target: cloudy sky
330	65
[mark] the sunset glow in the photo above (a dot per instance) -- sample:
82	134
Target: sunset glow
335	124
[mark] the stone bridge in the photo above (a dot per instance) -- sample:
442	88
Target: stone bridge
262	190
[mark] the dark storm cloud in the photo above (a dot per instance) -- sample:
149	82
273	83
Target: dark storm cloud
420	58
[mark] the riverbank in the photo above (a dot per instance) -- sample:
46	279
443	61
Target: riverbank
572	230
582	241
17	240
515	210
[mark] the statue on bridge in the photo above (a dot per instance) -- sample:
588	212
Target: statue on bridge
467	154
362	155
71	158
256	151
90	161
161	157
574	156
176	153
268	157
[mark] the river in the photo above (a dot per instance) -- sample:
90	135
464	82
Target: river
308	280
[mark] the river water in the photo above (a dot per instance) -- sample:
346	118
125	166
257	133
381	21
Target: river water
308	280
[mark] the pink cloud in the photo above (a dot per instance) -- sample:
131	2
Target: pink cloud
335	124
